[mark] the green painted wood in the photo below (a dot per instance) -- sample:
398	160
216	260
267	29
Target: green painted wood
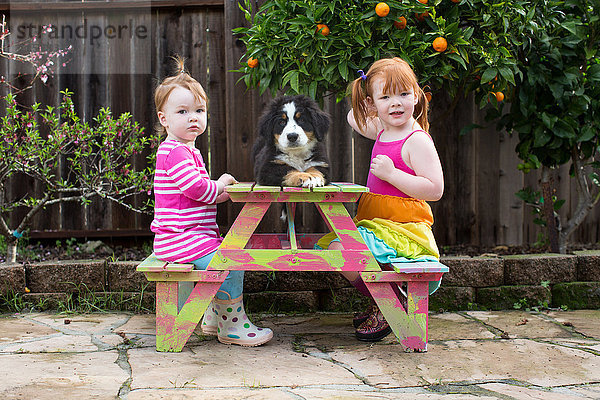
409	325
173	329
294	260
192	276
244	225
350	187
392	276
151	264
291	214
241	187
175	267
327	189
420	266
266	189
292	189
338	220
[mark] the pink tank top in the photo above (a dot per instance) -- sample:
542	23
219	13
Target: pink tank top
394	151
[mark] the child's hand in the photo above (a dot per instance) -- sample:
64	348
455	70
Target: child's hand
222	197
382	167
227	179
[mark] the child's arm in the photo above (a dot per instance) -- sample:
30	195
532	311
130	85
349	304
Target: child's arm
225	179
371	130
181	168
428	184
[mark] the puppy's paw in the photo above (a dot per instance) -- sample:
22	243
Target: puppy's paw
296	179
314	181
316	177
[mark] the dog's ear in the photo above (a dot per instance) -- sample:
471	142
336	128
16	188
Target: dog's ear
266	124
321	121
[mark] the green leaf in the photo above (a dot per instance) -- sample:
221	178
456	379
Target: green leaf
593	73
587	133
467	129
507	74
488	75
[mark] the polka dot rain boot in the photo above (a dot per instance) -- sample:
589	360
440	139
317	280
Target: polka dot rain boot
209	321
234	327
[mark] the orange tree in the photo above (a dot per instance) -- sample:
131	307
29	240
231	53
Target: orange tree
539	55
555	110
315	47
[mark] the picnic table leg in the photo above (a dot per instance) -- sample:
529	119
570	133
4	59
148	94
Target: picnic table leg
409	326
173	329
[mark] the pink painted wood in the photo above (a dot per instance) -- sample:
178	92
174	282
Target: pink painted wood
242	249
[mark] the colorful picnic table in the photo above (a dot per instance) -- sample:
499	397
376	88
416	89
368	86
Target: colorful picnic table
242	249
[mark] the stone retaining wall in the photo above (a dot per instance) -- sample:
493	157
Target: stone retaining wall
493	283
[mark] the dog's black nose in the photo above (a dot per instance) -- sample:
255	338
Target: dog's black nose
292	137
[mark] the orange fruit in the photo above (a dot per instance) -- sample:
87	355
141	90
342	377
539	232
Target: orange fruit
456	1
400	23
499	96
440	44
252	62
423	1
421	17
323	29
382	9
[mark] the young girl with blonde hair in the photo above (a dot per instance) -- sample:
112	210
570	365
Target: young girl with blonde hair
185	211
394	219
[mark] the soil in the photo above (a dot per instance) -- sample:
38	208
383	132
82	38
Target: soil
137	250
71	249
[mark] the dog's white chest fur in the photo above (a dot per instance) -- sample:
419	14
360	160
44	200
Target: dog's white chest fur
298	160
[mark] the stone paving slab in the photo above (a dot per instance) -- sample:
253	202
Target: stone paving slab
471	355
92	375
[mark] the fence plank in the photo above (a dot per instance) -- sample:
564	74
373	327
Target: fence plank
478	207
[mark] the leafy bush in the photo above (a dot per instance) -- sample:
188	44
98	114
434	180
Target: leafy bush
97	159
295	56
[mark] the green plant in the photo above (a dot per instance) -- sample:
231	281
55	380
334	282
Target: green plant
535	200
556	105
98	158
28	52
296	58
83	300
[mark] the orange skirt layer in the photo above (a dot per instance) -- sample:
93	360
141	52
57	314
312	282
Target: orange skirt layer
397	209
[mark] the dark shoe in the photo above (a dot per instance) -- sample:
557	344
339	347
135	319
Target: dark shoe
374	328
361	317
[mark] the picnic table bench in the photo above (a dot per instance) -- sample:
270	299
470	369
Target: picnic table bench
242	249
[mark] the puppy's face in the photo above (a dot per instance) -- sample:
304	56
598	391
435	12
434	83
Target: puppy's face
294	129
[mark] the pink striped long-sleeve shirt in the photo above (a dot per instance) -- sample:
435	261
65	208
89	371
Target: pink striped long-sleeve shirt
185	209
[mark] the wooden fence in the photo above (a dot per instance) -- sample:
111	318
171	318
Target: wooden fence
479	206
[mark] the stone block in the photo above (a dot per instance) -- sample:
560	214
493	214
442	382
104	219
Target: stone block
65	276
452	298
473	271
588	265
506	297
576	295
12	278
122	275
274	302
535	269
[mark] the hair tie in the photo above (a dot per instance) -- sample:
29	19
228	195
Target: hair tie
362	75
182	71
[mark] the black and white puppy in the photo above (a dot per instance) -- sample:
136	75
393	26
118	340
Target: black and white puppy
290	150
